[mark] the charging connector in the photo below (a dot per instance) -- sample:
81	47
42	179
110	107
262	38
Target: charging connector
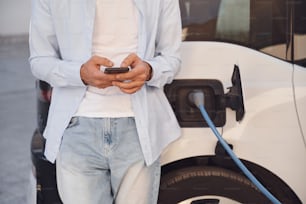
196	97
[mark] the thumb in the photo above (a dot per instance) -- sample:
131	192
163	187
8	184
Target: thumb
102	61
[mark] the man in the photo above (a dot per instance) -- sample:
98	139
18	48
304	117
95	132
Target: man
106	128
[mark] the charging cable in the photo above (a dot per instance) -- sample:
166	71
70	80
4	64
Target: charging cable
197	98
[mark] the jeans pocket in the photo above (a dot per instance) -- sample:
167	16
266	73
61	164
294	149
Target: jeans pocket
73	122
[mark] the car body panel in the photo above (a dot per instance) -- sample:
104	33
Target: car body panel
300	95
269	134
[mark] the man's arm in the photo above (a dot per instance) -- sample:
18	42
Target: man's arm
166	63
45	59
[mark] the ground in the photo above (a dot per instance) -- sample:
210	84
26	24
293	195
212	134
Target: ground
17	121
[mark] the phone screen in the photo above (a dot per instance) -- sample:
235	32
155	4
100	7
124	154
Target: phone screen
116	70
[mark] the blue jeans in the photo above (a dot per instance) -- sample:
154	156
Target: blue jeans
100	162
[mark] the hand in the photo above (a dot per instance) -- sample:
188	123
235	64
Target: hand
133	80
91	74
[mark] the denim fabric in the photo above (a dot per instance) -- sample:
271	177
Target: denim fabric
96	155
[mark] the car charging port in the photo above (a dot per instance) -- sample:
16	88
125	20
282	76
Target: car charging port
216	101
186	112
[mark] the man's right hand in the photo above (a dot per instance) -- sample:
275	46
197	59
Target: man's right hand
91	74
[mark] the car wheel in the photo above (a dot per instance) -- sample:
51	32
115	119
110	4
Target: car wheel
201	185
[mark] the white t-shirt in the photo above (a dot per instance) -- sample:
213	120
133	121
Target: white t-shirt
115	36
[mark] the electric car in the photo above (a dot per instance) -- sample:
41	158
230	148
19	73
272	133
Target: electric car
248	57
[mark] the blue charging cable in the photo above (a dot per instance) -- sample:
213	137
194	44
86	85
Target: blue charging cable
197	97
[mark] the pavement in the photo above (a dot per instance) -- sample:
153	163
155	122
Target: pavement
17	121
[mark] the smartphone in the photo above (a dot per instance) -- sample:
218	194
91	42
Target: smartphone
116	70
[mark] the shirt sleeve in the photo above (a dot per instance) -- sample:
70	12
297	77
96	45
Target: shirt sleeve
166	62
45	58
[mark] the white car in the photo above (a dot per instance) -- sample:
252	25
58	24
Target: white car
262	115
249	59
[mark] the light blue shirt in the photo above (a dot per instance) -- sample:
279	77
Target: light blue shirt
61	41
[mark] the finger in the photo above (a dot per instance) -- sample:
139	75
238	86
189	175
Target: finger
130	91
102	61
128	85
127	76
137	73
98	79
130	60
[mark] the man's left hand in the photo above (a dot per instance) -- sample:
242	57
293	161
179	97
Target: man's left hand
133	80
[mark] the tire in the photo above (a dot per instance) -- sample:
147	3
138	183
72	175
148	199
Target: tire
192	182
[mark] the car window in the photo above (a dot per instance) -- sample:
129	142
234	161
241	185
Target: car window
259	24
